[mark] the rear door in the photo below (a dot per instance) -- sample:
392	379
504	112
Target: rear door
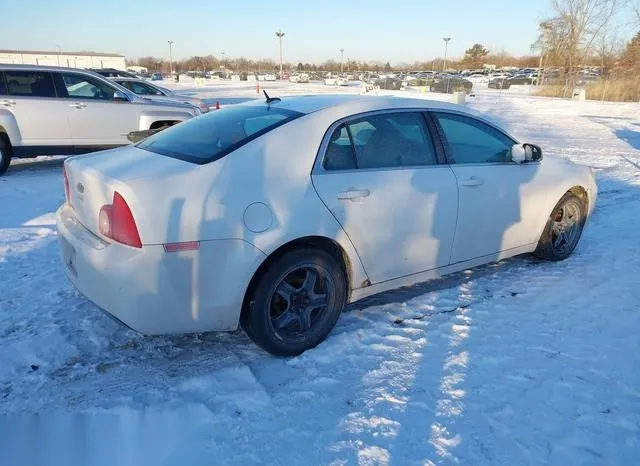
96	119
42	115
500	202
379	176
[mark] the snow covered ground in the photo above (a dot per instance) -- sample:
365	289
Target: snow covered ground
522	362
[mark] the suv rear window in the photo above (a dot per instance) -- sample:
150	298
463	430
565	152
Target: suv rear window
212	136
30	83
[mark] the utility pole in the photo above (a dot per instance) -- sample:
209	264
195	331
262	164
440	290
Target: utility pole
170	42
341	61
280	35
446	45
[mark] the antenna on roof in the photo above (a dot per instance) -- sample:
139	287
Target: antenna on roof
271	99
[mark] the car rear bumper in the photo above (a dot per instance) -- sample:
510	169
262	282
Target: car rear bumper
155	292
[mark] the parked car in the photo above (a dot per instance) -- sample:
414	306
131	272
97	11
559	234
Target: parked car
388	83
336	81
112	73
157	77
520	80
52	110
281	212
299	78
157	93
451	84
499	83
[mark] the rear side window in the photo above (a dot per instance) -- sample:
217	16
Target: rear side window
212	136
3	86
30	83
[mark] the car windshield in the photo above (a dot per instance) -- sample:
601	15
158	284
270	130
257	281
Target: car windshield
212	136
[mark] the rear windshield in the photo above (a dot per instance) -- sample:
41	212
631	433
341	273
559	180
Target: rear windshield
211	136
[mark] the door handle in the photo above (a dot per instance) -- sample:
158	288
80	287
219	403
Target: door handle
353	194
472	181
7	103
77	105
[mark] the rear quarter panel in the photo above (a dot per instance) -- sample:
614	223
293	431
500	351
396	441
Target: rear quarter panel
261	193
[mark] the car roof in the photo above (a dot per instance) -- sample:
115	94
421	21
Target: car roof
4	67
313	103
126	78
353	104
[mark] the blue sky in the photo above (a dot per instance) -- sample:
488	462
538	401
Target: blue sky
397	31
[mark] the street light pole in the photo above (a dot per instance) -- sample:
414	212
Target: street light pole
280	35
170	42
446	45
341	61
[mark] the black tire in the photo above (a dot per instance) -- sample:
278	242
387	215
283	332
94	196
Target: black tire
551	246
264	319
6	152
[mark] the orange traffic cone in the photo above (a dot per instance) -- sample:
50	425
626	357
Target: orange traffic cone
257	88
217	105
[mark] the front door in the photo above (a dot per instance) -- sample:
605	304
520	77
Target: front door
42	115
96	118
380	179
500	202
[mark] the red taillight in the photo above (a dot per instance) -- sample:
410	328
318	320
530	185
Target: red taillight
116	221
67	196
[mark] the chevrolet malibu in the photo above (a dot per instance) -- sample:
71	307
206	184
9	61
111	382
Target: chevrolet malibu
275	214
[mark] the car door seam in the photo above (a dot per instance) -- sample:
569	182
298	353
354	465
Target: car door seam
344	230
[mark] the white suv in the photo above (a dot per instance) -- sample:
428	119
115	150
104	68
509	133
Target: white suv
63	111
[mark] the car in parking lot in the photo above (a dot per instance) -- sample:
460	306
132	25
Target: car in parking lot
451	84
112	73
53	110
151	91
499	83
281	211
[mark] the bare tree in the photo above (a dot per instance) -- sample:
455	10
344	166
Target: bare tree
579	23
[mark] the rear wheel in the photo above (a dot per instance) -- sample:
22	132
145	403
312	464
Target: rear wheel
563	229
296	302
6	152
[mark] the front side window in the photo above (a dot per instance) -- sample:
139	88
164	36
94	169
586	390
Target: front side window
30	84
473	141
210	137
381	141
3	86
82	87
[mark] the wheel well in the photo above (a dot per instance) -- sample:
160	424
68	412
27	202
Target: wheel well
161	123
582	194
3	134
318	242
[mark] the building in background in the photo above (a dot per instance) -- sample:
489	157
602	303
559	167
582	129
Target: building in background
69	59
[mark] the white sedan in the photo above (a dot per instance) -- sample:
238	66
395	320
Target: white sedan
275	214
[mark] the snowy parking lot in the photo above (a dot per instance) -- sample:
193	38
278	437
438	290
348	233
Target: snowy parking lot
521	362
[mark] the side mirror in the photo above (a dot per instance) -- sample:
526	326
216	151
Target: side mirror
120	96
533	152
523	153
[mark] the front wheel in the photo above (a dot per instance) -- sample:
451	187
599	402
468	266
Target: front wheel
563	229
296	302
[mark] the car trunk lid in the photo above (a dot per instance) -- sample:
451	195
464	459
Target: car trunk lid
94	178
